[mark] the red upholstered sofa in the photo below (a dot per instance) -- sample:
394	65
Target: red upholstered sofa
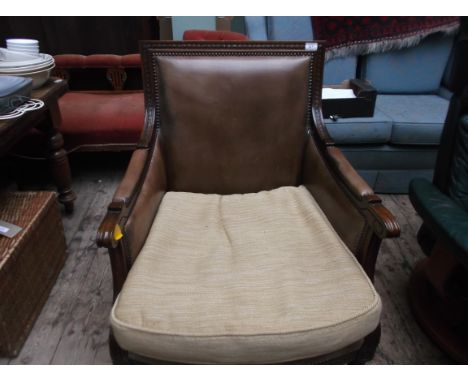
104	109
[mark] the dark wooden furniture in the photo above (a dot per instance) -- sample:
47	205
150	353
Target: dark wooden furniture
438	288
169	158
48	120
29	263
458	84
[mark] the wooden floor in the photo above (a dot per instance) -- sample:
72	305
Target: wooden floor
73	326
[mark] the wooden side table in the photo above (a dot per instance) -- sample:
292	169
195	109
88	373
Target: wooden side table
48	120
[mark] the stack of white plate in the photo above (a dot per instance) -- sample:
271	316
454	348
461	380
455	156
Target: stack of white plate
37	66
23	45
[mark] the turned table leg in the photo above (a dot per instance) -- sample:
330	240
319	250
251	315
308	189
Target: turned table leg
58	159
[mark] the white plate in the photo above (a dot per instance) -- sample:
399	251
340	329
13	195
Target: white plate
19	47
28	69
22	41
9	58
25	50
14	60
39	77
22	45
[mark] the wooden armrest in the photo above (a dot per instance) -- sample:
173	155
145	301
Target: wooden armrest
385	224
354	211
381	219
110	230
131	212
353	180
123	195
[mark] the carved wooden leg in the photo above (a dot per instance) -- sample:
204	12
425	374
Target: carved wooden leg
58	158
438	297
441	265
61	171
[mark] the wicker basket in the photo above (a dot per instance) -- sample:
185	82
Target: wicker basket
29	263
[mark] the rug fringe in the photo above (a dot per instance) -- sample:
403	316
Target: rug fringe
385	45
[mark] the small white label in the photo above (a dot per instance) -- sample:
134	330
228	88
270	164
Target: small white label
311	46
8	229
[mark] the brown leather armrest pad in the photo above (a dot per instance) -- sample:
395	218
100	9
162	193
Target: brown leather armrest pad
132	175
146	204
347	172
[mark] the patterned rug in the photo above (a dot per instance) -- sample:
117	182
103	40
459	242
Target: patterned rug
353	35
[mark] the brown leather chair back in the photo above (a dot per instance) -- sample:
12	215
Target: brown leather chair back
234	121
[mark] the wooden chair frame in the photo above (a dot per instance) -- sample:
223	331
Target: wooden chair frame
145	184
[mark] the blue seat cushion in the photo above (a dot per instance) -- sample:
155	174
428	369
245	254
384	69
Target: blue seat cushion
390	157
417	119
355	131
393	181
389	169
412	70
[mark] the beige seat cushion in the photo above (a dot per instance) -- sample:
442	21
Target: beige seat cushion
252	278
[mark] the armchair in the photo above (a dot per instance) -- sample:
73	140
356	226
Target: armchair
240	233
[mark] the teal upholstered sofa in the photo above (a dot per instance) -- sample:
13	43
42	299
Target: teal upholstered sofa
400	141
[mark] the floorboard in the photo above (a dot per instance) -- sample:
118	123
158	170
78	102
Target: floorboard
73	326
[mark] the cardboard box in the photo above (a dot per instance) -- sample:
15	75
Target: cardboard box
362	105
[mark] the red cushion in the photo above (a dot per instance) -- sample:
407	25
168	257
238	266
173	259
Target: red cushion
199	34
102	61
89	118
63	61
131	61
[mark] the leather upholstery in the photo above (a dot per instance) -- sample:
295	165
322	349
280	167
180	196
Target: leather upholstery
458	186
346	220
444	217
258	104
447	215
240	137
153	188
